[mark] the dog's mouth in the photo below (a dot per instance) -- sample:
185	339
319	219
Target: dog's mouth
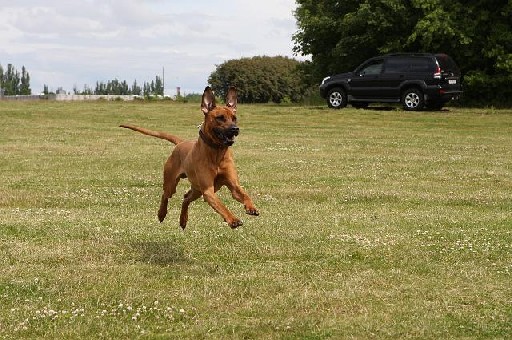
227	136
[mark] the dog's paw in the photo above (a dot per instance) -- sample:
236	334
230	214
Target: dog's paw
253	212
235	224
161	215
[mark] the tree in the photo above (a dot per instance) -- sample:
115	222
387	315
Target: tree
158	87
13	83
24	87
155	88
146	89
136	90
259	79
341	34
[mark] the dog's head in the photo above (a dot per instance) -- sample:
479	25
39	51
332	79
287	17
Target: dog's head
220	121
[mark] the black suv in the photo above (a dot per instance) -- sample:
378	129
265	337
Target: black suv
417	80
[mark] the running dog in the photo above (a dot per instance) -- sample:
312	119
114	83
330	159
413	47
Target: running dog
207	162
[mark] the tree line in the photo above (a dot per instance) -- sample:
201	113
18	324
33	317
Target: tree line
116	87
13	83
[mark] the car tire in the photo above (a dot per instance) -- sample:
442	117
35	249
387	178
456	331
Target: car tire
412	99
337	98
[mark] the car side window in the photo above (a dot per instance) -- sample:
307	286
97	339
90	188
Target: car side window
373	68
422	65
396	65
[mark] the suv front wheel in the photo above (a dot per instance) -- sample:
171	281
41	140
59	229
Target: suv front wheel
337	98
412	99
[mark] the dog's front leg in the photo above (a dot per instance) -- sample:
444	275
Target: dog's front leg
214	201
241	196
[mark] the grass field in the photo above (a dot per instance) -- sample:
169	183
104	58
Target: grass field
374	224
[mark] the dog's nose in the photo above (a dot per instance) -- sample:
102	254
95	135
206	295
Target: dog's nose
234	130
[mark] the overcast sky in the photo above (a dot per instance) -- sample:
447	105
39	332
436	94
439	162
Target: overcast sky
67	43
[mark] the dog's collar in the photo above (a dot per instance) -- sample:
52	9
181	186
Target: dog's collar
208	141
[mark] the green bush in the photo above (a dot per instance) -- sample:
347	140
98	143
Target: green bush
481	89
260	79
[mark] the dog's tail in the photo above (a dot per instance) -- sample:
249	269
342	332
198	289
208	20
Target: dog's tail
158	134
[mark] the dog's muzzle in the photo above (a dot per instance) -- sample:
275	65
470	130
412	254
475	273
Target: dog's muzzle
227	136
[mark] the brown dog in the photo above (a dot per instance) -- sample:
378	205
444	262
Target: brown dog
207	163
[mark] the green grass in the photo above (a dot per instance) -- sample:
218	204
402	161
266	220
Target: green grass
374	224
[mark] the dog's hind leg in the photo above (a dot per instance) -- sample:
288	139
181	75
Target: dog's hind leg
171	179
162	211
189	197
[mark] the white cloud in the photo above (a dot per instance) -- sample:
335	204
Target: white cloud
68	43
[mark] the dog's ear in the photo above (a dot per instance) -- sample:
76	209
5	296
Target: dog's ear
208	100
231	98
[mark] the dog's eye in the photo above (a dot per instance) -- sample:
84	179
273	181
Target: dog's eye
221	118
234	119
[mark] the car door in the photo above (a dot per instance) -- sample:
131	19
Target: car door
366	81
394	73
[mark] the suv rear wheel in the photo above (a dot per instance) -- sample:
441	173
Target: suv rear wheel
412	99
337	98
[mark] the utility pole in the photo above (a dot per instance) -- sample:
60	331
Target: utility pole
163	81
